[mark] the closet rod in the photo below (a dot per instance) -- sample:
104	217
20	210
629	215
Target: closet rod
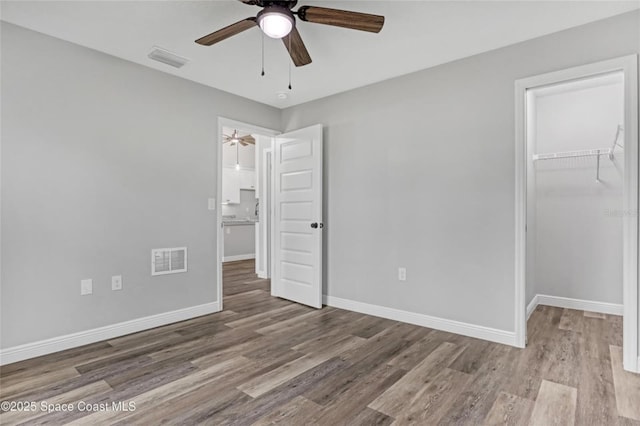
571	154
585	153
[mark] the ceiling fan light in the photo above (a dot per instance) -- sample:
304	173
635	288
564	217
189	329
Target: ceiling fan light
234	138
276	21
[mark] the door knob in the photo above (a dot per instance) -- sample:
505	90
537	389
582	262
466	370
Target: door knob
314	225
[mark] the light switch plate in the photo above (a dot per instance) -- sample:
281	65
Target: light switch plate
212	204
116	282
402	274
86	287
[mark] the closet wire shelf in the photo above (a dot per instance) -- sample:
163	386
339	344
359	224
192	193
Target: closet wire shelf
585	153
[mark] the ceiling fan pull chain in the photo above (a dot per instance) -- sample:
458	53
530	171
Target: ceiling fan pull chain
289	62
262	54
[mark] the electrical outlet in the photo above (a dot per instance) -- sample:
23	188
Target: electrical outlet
228	229
116	282
86	287
212	204
402	274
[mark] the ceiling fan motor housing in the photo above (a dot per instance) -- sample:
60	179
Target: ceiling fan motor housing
275	9
264	3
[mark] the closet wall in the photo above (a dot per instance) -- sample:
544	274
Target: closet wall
576	228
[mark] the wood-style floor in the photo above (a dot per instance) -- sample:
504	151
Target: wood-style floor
264	361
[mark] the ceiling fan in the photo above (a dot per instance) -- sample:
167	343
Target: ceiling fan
235	138
277	20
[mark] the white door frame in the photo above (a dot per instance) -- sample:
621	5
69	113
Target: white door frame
264	212
629	66
263	193
267	209
227	122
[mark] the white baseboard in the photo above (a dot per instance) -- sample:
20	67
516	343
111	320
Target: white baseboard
579	304
238	257
56	344
532	306
465	329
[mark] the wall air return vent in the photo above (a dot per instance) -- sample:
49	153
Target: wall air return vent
163	55
168	261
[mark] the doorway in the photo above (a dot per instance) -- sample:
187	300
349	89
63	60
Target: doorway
239	243
280	214
577	196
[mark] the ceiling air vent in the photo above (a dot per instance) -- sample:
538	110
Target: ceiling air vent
168	260
163	55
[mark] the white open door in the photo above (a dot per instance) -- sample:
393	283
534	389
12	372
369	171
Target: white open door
297	257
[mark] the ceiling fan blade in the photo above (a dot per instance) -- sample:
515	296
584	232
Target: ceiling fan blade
252	2
248	139
342	18
227	32
243	143
298	51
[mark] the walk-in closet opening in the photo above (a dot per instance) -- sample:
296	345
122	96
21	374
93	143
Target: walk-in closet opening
576	263
575	179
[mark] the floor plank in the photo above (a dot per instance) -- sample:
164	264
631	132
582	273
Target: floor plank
555	405
596	394
627	387
435	398
509	410
571	320
268	381
351	390
473	404
399	397
298	411
19	387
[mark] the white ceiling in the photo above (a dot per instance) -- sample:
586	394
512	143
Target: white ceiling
416	35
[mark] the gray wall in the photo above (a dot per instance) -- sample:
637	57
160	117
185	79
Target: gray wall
579	221
442	138
239	240
103	160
